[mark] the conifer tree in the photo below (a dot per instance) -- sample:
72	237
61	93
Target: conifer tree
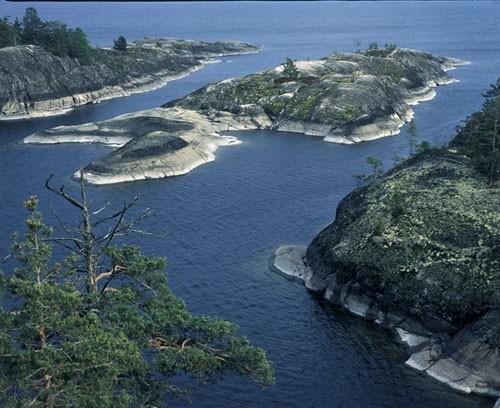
101	328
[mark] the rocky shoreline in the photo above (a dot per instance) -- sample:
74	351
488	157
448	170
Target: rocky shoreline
39	84
60	106
463	362
344	98
151	144
416	251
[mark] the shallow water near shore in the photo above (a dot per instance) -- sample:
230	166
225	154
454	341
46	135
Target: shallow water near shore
219	225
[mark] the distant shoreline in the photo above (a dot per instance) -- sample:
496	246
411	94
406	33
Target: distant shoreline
37	83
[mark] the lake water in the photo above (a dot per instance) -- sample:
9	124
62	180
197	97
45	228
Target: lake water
219	224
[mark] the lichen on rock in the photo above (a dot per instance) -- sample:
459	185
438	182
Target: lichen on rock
420	248
344	98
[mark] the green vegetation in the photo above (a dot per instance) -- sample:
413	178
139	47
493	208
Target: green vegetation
437	229
376	165
425	236
290	71
383	67
423	146
10	34
101	328
412	136
302	105
479	138
347	113
54	36
375	51
377	171
120	44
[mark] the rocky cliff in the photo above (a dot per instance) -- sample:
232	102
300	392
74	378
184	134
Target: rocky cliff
344	98
418	252
34	82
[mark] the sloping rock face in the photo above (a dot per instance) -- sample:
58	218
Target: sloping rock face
152	144
419	252
34	82
344	98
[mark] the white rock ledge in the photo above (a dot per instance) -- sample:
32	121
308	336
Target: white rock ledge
289	261
425	349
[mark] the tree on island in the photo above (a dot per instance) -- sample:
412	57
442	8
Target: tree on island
100	327
412	137
33	27
10	34
375	51
53	36
120	44
479	138
290	69
377	171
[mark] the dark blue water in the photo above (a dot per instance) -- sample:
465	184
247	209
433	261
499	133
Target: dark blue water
219	224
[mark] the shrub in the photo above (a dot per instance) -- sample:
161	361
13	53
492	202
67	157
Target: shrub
120	44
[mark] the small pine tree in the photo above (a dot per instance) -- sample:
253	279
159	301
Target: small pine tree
376	173
423	146
376	165
33	27
101	328
290	69
120	44
412	136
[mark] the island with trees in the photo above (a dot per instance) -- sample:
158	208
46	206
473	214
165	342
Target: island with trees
343	98
48	68
417	250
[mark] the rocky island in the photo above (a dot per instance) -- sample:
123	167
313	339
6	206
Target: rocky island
343	98
35	82
418	251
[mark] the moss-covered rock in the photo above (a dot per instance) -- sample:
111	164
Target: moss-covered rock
426	237
345	97
418	251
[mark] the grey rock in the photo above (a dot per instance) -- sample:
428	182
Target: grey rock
34	82
345	98
431	268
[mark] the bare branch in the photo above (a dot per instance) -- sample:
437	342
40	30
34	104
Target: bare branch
62	193
125	208
69	231
102	209
114	271
65	243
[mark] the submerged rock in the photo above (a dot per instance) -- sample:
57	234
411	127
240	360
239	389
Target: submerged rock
34	82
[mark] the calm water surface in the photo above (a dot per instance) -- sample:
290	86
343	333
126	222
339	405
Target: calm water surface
219	224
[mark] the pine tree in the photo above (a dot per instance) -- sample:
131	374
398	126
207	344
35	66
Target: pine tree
479	138
101	327
53	36
33	27
120	44
412	137
290	69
